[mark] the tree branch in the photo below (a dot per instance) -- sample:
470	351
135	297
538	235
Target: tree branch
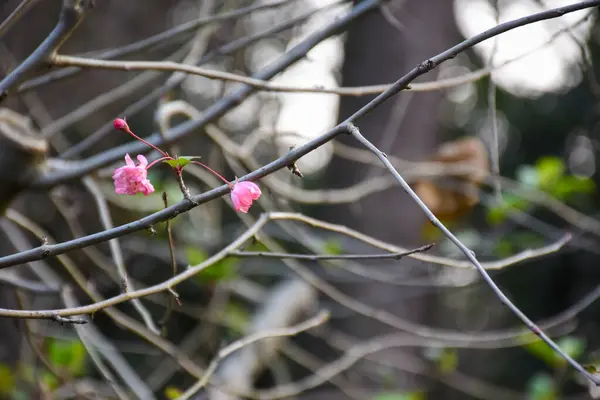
71	15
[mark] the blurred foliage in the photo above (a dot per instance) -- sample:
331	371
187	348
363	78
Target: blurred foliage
67	355
572	346
547	175
541	387
445	359
219	271
400	396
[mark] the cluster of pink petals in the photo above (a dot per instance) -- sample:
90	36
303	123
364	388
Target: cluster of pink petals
132	179
242	195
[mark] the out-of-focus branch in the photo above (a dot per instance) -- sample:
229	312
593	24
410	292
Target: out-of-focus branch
168	213
220	108
151	41
273	334
92	338
71	15
177	77
115	250
315	257
14	16
285	305
472	258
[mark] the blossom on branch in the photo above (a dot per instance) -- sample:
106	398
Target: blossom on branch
242	195
132	179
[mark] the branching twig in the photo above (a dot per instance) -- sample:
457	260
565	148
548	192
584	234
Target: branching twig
471	256
320	319
315	257
71	15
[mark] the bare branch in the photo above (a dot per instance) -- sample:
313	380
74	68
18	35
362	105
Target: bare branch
320	319
71	15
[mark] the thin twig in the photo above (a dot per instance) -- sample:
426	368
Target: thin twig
94	354
14	16
320	319
217	110
471	256
151	41
316	257
71	15
115	250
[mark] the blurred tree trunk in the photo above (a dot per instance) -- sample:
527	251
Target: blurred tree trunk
377	52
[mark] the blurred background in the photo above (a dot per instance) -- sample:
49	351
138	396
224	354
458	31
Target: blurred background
520	109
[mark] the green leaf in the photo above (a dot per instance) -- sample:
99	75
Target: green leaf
333	247
448	361
172	163
180	161
50	380
219	271
7	379
570	185
538	348
572	346
237	316
541	387
503	248
172	392
195	256
510	203
69	355
549	170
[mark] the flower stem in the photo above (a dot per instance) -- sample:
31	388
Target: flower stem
166	155
213	171
159	160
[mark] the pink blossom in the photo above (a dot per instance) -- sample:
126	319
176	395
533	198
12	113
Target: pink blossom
242	195
120	124
132	179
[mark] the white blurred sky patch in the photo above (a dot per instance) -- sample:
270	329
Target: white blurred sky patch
551	69
308	115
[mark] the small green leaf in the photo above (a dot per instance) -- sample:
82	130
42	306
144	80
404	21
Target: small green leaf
538	348
572	346
185	160
549	170
195	256
446	359
7	379
69	355
333	247
180	161
570	185
449	361
541	387
499	213
172	392
237	316
591	368
219	271
172	163
50	380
